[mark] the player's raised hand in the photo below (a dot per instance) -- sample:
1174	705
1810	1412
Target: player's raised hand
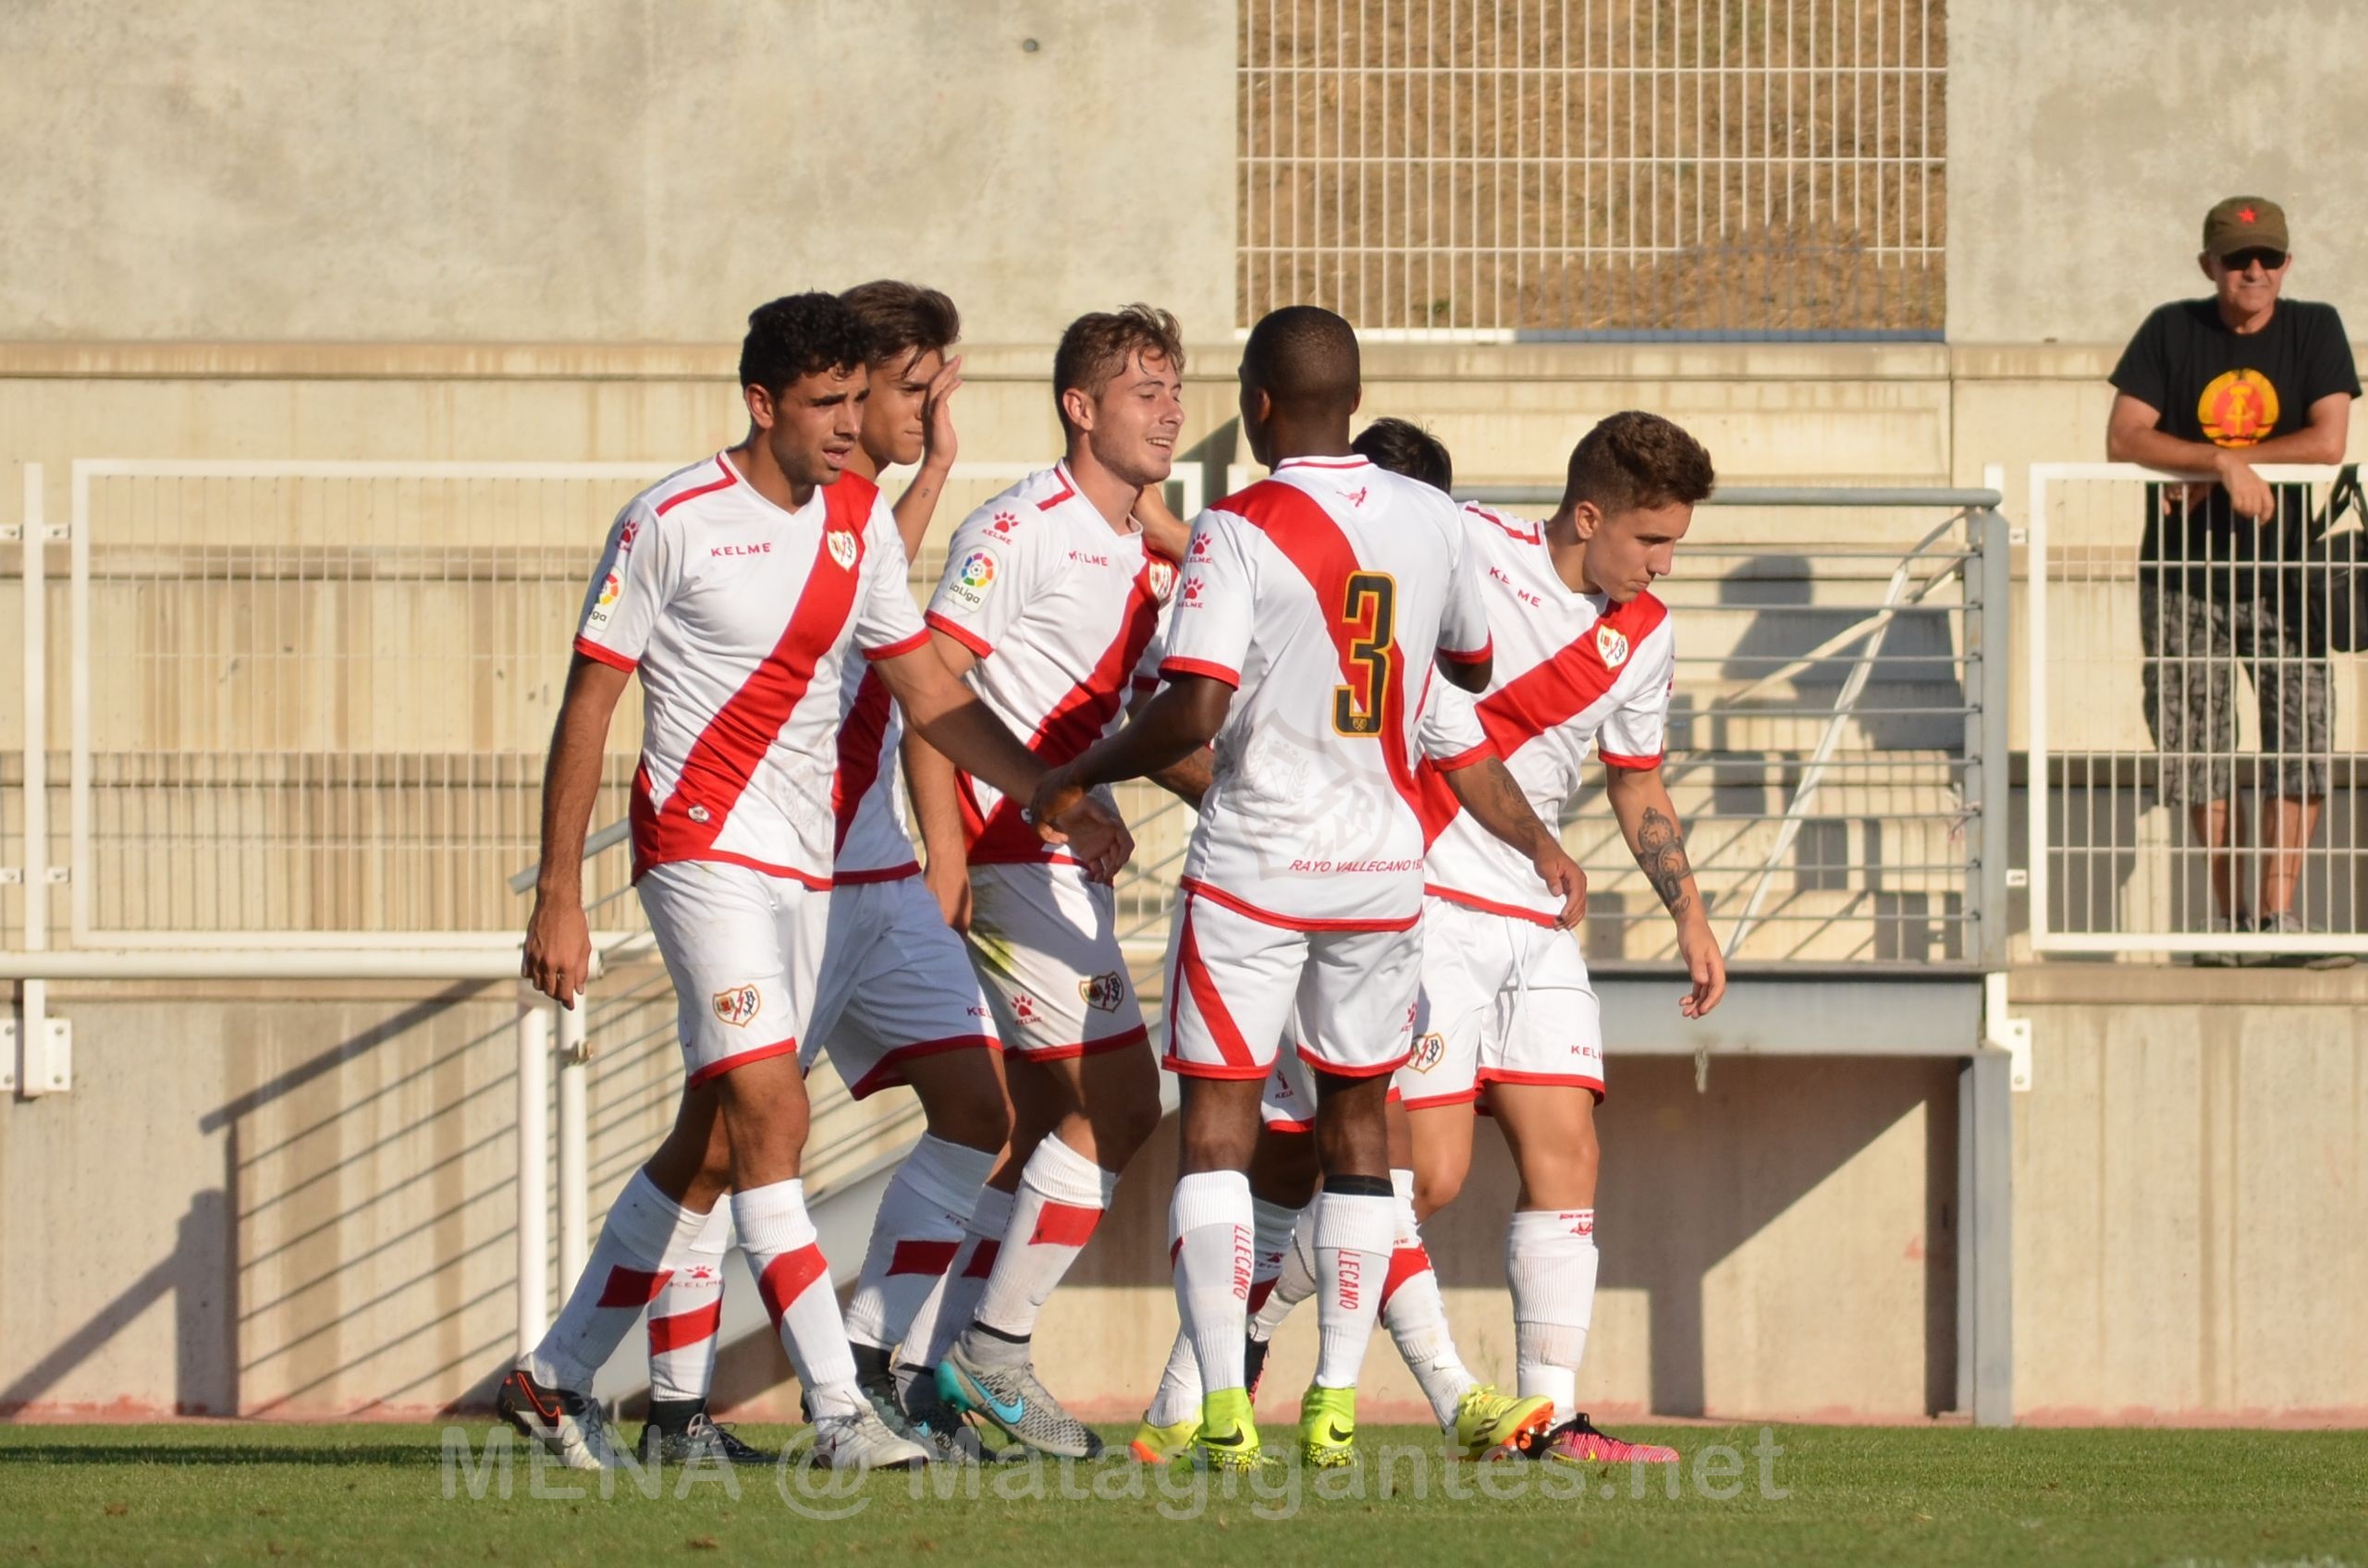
937	442
1705	963
558	950
1564	880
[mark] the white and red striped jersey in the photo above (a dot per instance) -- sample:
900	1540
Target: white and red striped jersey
737	615
1062	611
1320	594
872	841
1573	672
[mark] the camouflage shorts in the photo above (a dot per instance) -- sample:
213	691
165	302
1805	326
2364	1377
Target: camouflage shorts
2194	643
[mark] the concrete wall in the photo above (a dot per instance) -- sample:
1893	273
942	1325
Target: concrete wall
629	171
2087	141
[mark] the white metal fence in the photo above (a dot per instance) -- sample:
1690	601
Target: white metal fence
308	702
2196	746
1494	168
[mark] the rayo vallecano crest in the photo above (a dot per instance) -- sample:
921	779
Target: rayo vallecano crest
1163	577
843	547
1612	645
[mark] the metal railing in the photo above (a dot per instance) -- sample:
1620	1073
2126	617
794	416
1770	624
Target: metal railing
1556	168
2196	746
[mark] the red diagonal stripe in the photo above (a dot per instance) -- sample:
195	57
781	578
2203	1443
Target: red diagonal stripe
786	1278
727	753
982	1262
1075	721
1259	1291
636	1288
1202	987
922	1257
1556	690
861	735
685	1327
1298	526
1064	1225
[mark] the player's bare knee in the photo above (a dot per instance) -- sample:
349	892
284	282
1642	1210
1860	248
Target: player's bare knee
1437	1184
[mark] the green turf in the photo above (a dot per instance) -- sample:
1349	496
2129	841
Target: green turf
378	1494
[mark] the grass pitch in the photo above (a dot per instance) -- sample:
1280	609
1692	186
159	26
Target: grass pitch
1748	1495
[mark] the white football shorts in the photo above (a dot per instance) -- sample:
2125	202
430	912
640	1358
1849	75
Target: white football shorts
896	984
744	950
1044	943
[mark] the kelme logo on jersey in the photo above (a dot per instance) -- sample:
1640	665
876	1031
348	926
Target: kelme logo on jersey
740	1004
1103	992
1427	1050
1613	645
842	549
970	581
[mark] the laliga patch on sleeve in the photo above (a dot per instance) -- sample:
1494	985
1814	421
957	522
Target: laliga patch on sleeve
612	589
971	580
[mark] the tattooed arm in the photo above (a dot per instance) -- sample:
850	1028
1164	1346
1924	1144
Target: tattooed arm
1494	796
1649	822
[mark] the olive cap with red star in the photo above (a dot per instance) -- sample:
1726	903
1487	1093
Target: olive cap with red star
2244	223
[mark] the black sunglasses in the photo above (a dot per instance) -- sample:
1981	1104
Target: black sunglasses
2242	261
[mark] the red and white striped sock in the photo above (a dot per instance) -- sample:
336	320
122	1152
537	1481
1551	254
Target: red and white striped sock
688	1310
1061	1198
794	1280
915	1237
1356	1225
947	1310
1550	1261
624	1274
1416	1314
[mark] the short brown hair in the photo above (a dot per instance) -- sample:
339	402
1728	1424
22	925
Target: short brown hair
902	320
1634	459
1097	348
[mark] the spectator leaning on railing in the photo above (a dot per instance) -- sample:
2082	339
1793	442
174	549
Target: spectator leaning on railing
2217	386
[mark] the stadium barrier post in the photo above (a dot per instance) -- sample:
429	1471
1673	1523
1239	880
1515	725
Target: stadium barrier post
534	1184
572	1139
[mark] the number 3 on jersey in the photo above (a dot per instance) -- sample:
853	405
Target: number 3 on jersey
1368	611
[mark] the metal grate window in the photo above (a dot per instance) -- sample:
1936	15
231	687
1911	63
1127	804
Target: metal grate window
1500	169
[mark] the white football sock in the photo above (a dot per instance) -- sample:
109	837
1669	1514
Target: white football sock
794	1280
1353	1235
624	1274
1211	1227
688	1310
1295	1280
947	1310
1178	1396
1415	1316
1061	1200
915	1237
1550	1262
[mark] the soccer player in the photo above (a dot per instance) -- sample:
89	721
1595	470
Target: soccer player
1585	660
898	1003
1051	601
1283	1171
1303	884
734	589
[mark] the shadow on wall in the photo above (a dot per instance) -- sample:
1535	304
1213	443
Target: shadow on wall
199	1276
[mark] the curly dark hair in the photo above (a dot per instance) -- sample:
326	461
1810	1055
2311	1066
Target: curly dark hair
799	335
903	320
1634	459
1402	446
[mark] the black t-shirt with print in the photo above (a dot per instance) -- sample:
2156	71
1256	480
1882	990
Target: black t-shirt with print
2210	384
